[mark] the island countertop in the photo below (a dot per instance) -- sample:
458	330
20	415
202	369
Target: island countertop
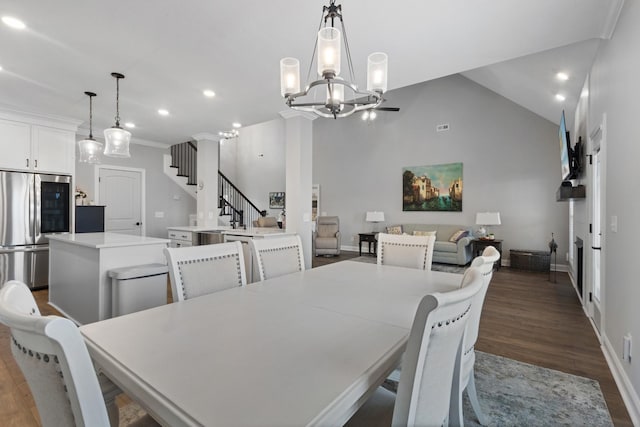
105	240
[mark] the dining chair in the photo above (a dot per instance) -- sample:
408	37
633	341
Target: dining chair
54	360
485	264
405	250
430	364
200	270
277	256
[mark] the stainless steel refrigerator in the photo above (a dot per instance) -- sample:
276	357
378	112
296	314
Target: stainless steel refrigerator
31	205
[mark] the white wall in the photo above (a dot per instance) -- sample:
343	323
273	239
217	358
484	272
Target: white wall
161	191
255	162
510	156
614	90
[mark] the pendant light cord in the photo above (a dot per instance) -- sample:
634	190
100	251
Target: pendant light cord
90	117
117	101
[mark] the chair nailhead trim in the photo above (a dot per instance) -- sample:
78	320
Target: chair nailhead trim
279	249
450	321
408	245
208	259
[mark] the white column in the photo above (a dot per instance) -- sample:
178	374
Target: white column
299	162
207	197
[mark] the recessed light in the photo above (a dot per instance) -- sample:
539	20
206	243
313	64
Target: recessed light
130	125
562	76
0	67
560	97
209	93
585	93
236	125
14	22
163	112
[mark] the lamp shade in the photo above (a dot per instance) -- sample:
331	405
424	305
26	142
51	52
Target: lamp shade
329	51
117	142
488	218
89	150
289	76
377	72
375	216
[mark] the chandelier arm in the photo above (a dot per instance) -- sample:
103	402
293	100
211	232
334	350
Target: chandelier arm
348	53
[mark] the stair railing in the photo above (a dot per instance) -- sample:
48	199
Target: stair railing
184	156
234	202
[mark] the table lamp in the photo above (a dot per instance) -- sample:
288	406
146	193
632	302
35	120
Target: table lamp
374	217
484	219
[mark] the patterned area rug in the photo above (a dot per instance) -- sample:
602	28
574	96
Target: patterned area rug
449	268
513	393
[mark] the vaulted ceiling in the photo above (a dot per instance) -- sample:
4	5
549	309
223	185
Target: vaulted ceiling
170	51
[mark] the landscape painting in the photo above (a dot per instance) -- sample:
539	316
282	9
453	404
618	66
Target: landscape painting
432	188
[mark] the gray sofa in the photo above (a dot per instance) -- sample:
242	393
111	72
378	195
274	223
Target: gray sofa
445	251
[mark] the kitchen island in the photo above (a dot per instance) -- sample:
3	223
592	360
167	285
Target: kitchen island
79	286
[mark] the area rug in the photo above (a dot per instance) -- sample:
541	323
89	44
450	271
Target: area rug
434	266
513	393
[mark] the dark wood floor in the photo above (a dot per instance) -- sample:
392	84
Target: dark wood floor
525	317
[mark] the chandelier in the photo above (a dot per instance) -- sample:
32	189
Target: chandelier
332	96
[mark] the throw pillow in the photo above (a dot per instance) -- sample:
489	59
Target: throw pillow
424	233
458	235
394	229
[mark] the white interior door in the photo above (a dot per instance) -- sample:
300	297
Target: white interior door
595	298
121	191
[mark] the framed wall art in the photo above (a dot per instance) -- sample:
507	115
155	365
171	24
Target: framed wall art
276	200
432	188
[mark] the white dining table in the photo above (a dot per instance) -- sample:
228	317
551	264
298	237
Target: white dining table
303	349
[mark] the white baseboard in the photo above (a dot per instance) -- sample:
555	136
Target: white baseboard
628	393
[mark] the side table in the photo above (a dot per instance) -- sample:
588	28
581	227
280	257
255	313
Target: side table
369	238
479	245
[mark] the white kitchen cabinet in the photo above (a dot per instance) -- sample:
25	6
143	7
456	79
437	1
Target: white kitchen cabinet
28	146
53	150
15	145
180	238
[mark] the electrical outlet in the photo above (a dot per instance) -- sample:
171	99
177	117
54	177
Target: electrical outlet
566	256
614	223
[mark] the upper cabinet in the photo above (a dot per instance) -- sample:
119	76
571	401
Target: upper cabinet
33	145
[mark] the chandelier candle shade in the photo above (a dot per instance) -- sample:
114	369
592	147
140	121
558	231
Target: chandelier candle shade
116	138
333	96
487	218
90	148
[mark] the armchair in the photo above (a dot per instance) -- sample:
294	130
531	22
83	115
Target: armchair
326	238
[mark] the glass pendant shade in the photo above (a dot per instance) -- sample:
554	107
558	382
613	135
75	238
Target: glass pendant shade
289	76
329	51
117	142
336	95
377	72
89	150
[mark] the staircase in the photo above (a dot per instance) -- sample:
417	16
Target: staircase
235	207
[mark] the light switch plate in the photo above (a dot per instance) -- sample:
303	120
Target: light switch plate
159	214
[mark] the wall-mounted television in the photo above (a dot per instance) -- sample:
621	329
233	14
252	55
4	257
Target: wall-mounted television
566	153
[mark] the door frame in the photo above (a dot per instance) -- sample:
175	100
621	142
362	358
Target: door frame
143	190
596	309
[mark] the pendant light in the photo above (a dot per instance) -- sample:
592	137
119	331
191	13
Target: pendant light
90	148
116	138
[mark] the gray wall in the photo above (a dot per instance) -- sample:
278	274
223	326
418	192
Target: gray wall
510	156
255	162
614	89
162	194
